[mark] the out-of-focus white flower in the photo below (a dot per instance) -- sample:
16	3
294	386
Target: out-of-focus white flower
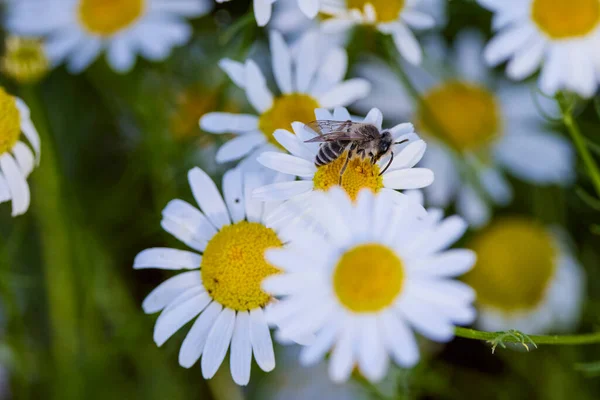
77	31
16	158
223	287
477	126
378	271
359	174
307	79
263	9
526	278
562	36
393	17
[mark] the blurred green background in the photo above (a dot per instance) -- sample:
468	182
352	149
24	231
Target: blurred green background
115	150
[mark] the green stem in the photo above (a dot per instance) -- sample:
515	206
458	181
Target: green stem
580	143
588	338
222	386
47	206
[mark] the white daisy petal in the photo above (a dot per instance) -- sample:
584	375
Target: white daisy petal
235	70
310	8
17	185
409	156
372	358
399	340
374	117
169	290
506	43
428	324
241	349
282	62
417	19
222	122
217	343
4	189
233	191
282	191
451	263
293	144
195	340
405	41
190	219
325	339
239	147
166	258
306	62
414	178
208	197
345	93
342	357
262	11
257	92
254	208
260	337
287	164
173	318
24	157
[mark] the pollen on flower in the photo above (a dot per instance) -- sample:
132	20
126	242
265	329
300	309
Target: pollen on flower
368	278
24	59
462	114
385	10
359	174
516	260
286	109
10	122
563	19
234	266
107	17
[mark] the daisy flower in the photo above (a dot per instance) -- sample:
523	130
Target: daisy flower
378	272
222	291
263	9
359	174
534	33
16	158
536	287
306	79
24	59
392	17
77	31
477	127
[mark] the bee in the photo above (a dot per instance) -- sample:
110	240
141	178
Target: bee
357	139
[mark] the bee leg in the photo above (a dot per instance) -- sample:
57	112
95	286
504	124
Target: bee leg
345	166
388	164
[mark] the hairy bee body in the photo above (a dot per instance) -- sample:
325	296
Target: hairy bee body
330	151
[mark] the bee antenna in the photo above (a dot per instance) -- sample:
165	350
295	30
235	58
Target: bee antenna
402	141
388	164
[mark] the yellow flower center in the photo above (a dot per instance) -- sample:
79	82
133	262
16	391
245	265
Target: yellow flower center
10	122
563	19
462	114
359	174
516	260
368	278
24	59
107	17
385	10
286	109
234	266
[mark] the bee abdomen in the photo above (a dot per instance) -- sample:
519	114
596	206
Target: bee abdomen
328	153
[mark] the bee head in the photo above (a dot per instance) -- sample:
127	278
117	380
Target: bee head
385	143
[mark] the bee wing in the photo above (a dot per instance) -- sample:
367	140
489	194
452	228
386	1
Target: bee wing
331	131
336	137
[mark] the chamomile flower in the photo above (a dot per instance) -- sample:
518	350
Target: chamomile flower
534	33
359	174
379	271
222	291
525	277
77	31
24	59
477	127
16	158
306	79
393	17
263	9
